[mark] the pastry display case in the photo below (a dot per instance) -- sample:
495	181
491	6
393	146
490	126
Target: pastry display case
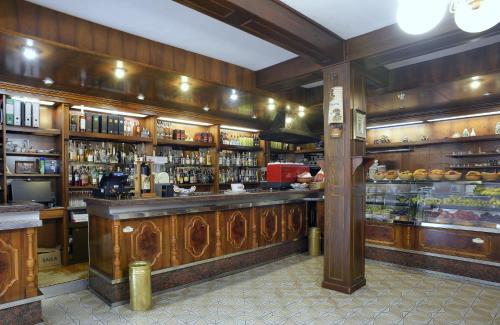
392	201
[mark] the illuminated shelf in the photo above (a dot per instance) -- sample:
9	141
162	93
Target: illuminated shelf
107	137
181	143
437	141
34	131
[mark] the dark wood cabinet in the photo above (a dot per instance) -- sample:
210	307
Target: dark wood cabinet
270	225
296	220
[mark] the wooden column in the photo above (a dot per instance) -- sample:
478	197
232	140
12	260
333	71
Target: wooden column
344	268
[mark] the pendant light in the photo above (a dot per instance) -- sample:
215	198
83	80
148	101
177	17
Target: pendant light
420	16
474	16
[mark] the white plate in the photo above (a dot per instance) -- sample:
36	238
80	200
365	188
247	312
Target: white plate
234	192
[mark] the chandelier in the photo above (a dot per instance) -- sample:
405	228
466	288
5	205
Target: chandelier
472	16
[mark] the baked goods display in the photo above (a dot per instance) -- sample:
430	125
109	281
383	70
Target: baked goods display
391	175
473	176
405	175
436	174
489	177
420	174
379	176
452	175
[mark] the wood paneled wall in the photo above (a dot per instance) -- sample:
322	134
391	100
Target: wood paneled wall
27	19
174	240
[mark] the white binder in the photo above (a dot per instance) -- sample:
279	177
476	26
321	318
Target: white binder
17	112
35	116
27	113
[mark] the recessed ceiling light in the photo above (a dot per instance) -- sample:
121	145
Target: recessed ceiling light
475	78
302	114
184	87
234	95
302	108
140	97
184	79
288	107
206	108
270	100
271	107
29	42
119	70
48	81
288	120
30	53
475	84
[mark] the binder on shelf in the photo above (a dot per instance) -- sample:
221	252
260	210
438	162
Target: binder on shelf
110	124
121	126
28	111
116	124
103	123
35	115
9	112
88	122
95	123
73	125
17	112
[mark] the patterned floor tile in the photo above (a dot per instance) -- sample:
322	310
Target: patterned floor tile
289	291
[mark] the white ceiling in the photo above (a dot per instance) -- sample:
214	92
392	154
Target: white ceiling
348	18
170	23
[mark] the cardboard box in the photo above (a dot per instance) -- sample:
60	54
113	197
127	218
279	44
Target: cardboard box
49	257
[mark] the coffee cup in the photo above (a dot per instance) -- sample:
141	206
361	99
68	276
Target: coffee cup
237	187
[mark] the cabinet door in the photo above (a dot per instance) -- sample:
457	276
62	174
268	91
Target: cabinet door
269	224
381	234
236	230
455	242
197	238
320	216
296	220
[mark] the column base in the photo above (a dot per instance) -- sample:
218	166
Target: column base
341	287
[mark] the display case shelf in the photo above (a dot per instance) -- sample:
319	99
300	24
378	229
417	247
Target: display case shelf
432	142
181	143
33	175
33	131
107	137
471	155
33	154
239	148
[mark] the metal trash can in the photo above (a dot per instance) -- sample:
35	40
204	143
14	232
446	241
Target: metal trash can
314	238
139	276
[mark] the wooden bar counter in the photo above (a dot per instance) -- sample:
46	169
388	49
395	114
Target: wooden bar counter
19	295
189	239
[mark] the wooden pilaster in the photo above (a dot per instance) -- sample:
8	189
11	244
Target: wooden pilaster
344	267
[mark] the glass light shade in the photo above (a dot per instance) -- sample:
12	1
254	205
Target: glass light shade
420	16
30	53
474	20
184	86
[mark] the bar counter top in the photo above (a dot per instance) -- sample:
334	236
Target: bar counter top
20	215
152	207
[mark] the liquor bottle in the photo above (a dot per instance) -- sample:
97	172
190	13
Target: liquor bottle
71	180
209	159
94	177
82	122
137	129
76	177
185	178
84	177
90	154
81	153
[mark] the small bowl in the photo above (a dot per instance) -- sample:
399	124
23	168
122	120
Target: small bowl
184	191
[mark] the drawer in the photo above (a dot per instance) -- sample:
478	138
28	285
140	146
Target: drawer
55	213
455	242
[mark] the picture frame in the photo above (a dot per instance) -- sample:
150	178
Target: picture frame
25	167
359	124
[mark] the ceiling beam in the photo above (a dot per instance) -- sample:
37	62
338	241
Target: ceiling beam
275	22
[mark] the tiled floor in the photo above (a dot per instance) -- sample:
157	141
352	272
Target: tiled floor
288	292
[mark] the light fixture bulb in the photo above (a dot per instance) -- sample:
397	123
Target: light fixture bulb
288	120
270	100
302	108
184	86
206	108
420	16
119	72
254	116
487	94
302	114
184	79
30	53
271	107
140	97
288	107
29	42
48	81
234	95
475	78
475	84
474	16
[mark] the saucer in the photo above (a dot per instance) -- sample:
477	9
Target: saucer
234	192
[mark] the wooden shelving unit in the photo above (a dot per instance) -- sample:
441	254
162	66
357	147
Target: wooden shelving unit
33	154
239	148
34	175
472	155
91	136
33	131
187	144
433	142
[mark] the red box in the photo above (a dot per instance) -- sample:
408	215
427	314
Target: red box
284	174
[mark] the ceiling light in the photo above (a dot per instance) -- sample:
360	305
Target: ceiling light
418	17
288	120
119	70
393	125
474	16
140	97
30	53
475	84
271	107
48	81
270	100
206	108
288	107
184	79
33	100
254	116
234	95
475	78
29	42
238	128
106	111
302	114
184	87
175	120
487	94
302	109
464	116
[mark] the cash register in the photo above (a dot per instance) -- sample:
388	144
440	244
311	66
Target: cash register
113	186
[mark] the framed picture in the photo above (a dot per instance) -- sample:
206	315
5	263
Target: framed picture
25	167
359	125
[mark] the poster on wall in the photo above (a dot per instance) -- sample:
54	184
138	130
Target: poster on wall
336	106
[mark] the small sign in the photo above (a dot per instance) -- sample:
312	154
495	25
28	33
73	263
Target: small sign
336	106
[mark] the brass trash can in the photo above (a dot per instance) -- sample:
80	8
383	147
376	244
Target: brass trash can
139	276
314	238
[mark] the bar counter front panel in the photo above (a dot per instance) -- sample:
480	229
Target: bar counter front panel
191	238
